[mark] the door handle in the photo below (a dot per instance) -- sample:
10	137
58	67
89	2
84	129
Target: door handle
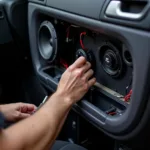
114	10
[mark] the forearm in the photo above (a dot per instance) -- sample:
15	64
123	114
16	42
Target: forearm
50	143
40	130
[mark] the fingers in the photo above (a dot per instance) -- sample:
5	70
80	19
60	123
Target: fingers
91	82
86	67
27	108
88	74
31	107
78	63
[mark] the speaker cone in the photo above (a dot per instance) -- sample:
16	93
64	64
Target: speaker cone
47	41
110	59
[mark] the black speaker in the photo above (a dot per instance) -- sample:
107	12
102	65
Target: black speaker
110	59
47	41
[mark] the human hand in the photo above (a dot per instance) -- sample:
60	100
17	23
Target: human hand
17	111
75	81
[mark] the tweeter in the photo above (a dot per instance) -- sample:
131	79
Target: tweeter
47	41
110	59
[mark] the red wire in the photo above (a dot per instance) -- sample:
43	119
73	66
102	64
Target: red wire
112	113
128	96
64	63
81	42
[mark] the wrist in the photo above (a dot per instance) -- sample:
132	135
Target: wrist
63	98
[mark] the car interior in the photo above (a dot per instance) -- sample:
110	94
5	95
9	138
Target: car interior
40	39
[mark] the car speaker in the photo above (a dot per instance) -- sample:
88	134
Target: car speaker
47	41
110	59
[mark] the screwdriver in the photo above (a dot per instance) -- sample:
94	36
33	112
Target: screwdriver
41	104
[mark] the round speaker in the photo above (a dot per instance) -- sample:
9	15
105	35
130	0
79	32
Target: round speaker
88	56
110	59
47	41
127	56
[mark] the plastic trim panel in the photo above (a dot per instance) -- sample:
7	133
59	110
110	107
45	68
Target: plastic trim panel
139	44
82	7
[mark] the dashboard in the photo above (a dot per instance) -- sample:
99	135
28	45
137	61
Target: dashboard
113	35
